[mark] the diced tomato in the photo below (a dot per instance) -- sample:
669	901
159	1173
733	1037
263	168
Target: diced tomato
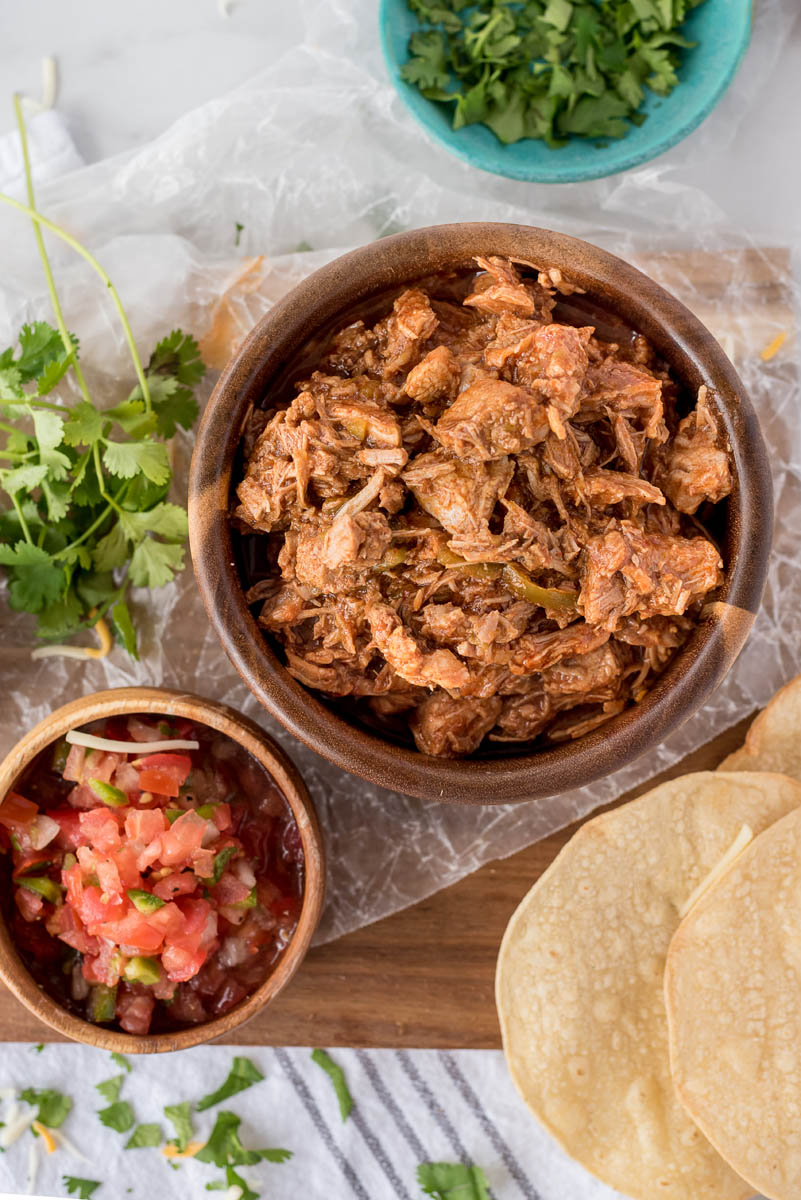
109	877
104	966
124	858
203	862
100	828
134	930
222	815
164	773
145	823
73	768
100	765
178	884
16	813
66	924
135	1011
181	964
187	1007
70	837
97	912
182	839
146	857
126	777
196	915
29	903
169	921
229	995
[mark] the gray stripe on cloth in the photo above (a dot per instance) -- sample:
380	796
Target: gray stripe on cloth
320	1124
499	1143
378	1152
433	1105
391	1105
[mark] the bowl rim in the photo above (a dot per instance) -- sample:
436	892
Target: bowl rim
170	702
552	172
692	353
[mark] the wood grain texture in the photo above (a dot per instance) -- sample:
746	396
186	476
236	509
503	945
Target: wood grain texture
421	978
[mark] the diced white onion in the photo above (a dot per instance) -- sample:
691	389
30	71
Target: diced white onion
232	952
43	830
15	1127
244	872
210	834
62	1140
76	738
33	1165
8	1093
79	986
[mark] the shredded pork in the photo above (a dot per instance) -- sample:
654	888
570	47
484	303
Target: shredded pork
479	522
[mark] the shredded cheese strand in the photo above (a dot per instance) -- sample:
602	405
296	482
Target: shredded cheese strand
76	738
15	1128
773	348
33	1166
46	1135
49	83
734	851
190	1151
70	1147
103	636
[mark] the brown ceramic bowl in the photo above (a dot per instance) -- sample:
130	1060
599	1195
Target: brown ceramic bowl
364	282
162	701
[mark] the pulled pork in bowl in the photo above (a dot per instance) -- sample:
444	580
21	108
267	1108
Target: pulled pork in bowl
482	511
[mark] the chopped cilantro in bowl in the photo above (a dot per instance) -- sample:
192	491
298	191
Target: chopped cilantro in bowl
562	90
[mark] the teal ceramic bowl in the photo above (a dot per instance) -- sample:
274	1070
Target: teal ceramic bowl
721	29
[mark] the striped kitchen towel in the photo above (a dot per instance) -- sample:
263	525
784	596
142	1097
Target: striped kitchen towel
409	1108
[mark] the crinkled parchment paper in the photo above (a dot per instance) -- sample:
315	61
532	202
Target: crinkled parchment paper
317	151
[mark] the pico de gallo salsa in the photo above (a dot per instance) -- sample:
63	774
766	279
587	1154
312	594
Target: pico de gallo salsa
157	872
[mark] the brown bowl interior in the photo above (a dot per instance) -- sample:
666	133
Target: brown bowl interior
274	355
162	701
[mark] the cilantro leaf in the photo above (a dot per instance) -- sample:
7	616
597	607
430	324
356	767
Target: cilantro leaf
453	1181
167	520
123	627
84	425
144	1136
36	581
118	1116
337	1077
111	550
110	1088
53	1106
179	1116
224	1147
82	1188
126	459
59	620
178	354
40	344
120	1060
154	563
54	372
243	1074
11	390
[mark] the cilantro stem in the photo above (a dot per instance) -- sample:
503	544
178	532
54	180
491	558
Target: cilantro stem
90	258
88	532
37	232
8	427
101	479
21	518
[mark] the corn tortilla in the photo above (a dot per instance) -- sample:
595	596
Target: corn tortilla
580	988
773	743
733	994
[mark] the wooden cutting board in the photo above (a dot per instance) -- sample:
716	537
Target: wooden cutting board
425	977
421	978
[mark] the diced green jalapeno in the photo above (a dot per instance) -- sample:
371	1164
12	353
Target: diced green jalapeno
102	1003
144	901
251	901
206	811
48	889
108	793
172	814
520	584
142	970
61	752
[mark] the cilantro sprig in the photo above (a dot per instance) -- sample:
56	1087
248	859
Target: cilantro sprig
547	69
337	1077
89	516
453	1181
243	1074
82	1188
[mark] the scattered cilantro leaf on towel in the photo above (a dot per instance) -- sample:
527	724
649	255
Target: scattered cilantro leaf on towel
453	1181
82	1188
243	1074
224	1147
144	1136
337	1077
53	1106
110	1088
118	1116
180	1117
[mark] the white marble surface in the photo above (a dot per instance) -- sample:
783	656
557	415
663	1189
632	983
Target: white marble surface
127	70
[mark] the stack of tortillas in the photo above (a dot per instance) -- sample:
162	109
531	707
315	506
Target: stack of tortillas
649	984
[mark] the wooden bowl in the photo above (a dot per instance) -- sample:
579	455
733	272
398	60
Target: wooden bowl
164	702
272	355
